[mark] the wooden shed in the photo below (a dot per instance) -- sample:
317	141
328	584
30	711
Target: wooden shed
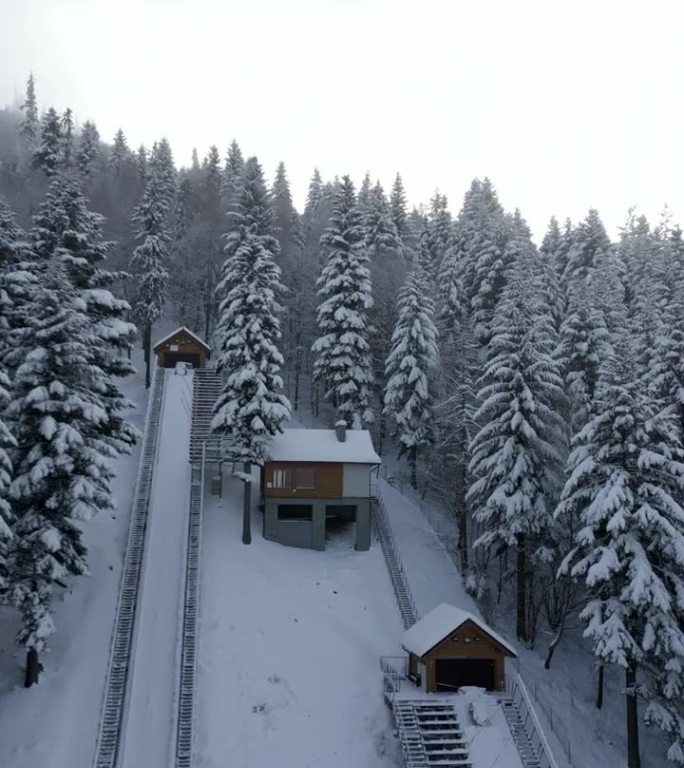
450	648
182	346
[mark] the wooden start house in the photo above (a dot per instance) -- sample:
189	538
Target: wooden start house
450	648
315	481
182	346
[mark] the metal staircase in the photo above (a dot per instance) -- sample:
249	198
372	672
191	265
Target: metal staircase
430	734
402	592
208	383
526	730
528	756
116	683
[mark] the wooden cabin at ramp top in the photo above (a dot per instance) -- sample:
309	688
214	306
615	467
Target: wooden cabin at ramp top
182	346
315	480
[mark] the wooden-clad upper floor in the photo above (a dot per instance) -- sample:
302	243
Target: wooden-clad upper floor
305	480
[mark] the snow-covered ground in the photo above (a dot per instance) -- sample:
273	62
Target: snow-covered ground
54	724
149	723
289	646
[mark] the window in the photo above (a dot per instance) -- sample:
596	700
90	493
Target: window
281	478
295	512
306	479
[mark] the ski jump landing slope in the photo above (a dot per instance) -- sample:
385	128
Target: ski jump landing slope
149	733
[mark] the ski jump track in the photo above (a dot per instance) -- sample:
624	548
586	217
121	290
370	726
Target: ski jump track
111	739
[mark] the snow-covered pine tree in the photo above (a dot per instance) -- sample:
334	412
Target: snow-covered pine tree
208	227
232	174
120	155
343	362
380	231
589	242
65	226
387	272
455	399
186	280
212	169
314	195
625	475
584	344
398	211
285	217
163	170
251	407
452	304
440	229
29	123
65	408
482	236
61	464
516	456
10	235
667	374
88	148
67	128
413	358
315	219
149	263
552	240
47	154
363	198
605	282
141	165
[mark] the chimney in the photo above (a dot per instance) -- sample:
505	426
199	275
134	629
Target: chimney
341	430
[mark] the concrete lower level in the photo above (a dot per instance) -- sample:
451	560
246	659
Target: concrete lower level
304	522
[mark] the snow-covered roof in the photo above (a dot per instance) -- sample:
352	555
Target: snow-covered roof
182	329
426	633
323	445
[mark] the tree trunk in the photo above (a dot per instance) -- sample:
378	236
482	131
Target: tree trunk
633	757
247	507
413	462
599	687
520	628
207	303
462	514
297	372
553	645
148	354
33	668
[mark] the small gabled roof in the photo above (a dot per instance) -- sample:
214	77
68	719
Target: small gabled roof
182	329
437	625
322	445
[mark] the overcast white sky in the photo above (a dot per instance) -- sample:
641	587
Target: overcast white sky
565	105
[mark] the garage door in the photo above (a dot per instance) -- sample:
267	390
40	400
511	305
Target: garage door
451	674
171	358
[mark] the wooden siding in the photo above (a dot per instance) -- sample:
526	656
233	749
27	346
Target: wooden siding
328	480
186	346
480	646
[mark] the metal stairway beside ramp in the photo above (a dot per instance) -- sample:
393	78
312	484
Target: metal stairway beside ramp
207	386
402	592
528	756
430	734
527	732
